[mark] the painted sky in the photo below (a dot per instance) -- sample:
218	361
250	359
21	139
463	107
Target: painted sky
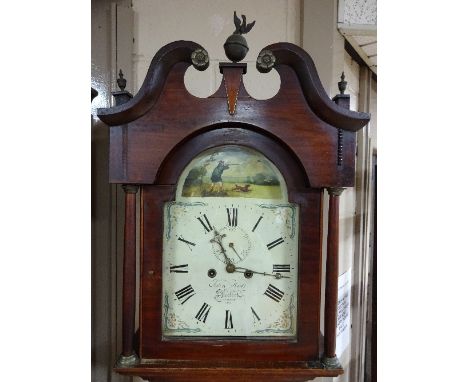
250	162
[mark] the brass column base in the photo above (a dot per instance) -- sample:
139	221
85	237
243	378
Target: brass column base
331	363
126	361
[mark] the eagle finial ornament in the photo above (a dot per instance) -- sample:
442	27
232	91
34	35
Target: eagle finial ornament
244	27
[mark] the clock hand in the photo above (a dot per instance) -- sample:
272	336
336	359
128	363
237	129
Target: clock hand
218	239
275	275
231	245
223	251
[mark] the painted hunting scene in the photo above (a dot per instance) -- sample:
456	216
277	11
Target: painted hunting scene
232	171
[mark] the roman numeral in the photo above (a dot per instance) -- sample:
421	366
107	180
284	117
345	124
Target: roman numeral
228	321
232	216
185	293
281	268
189	243
179	268
256	224
203	312
274	243
255	314
274	293
207	226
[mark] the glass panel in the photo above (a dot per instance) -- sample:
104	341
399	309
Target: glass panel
230	264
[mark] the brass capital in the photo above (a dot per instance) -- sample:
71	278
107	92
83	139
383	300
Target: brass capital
335	191
130	188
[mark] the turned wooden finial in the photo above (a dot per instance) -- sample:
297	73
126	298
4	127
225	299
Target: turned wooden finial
121	96
121	81
342	84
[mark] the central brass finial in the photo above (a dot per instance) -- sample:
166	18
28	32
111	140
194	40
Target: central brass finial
236	47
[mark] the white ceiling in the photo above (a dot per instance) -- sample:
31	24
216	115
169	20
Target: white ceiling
364	42
369	45
357	22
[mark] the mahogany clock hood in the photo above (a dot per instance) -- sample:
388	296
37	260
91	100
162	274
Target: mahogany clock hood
300	116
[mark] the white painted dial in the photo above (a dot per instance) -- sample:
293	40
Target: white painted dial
230	268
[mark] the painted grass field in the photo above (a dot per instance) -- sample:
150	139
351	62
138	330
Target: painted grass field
242	190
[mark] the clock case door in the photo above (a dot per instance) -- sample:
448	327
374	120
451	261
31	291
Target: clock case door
153	197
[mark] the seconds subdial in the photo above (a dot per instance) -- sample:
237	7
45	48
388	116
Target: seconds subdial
237	245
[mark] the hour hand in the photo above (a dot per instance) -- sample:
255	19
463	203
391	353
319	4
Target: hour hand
217	240
218	237
230	268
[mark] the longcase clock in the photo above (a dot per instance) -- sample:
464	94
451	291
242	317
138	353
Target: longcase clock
231	198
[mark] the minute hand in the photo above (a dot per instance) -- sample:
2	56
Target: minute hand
275	275
231	245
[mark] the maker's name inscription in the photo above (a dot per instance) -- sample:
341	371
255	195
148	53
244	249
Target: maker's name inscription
228	290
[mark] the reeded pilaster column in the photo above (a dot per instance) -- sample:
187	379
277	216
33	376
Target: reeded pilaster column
329	358
128	356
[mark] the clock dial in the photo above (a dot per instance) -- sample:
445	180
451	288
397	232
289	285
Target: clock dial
232	282
230	264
